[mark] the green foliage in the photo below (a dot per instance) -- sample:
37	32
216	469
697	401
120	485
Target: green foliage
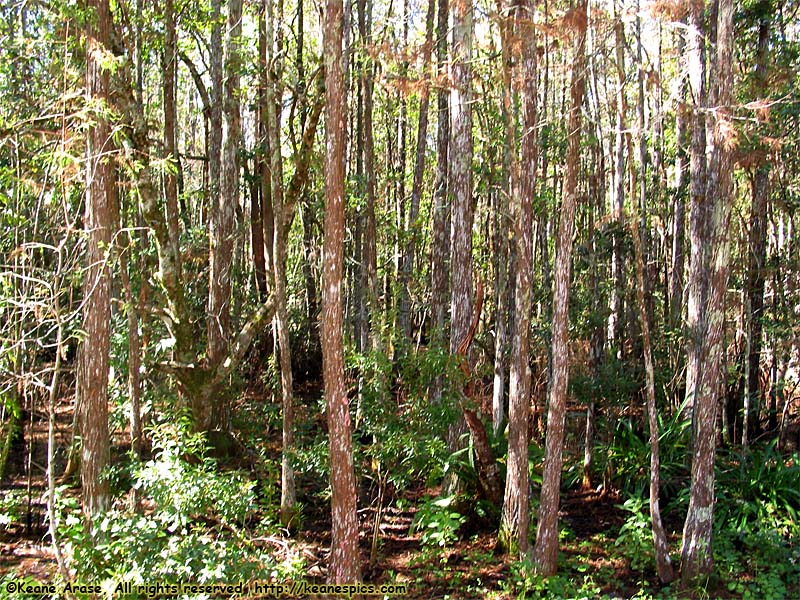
635	537
524	584
438	522
628	456
10	507
194	528
758	487
403	431
757	563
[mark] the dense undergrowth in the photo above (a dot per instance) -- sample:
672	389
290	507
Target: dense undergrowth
179	515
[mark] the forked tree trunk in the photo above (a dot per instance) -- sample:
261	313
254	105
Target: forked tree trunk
545	552
99	222
696	554
344	564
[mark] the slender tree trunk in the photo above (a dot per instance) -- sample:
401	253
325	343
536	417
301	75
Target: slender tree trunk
515	520
370	250
679	211
758	248
344	565
663	564
281	218
546	548
616	316
99	223
419	169
169	68
440	246
696	554
697	285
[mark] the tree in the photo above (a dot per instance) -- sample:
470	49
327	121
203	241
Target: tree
99	224
546	549
223	217
514	526
344	566
460	189
696	553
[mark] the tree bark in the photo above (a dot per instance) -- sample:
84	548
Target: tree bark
344	565
99	223
661	545
515	520
460	188
758	249
696	553
440	246
217	416
546	548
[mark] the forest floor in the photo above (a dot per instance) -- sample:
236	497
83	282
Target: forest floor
467	568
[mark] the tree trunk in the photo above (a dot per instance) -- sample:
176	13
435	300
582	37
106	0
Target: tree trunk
515	520
758	250
344	565
99	222
419	169
217	416
546	548
618	202
169	68
661	545
440	246
460	188
698	218
696	554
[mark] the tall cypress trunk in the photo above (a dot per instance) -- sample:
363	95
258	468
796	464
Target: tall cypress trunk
460	188
344	564
515	520
99	224
440	246
696	554
546	548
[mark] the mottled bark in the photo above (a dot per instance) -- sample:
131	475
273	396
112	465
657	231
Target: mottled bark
696	553
698	217
758	252
409	254
344	563
460	188
515	518
440	246
661	545
545	552
222	226
98	223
